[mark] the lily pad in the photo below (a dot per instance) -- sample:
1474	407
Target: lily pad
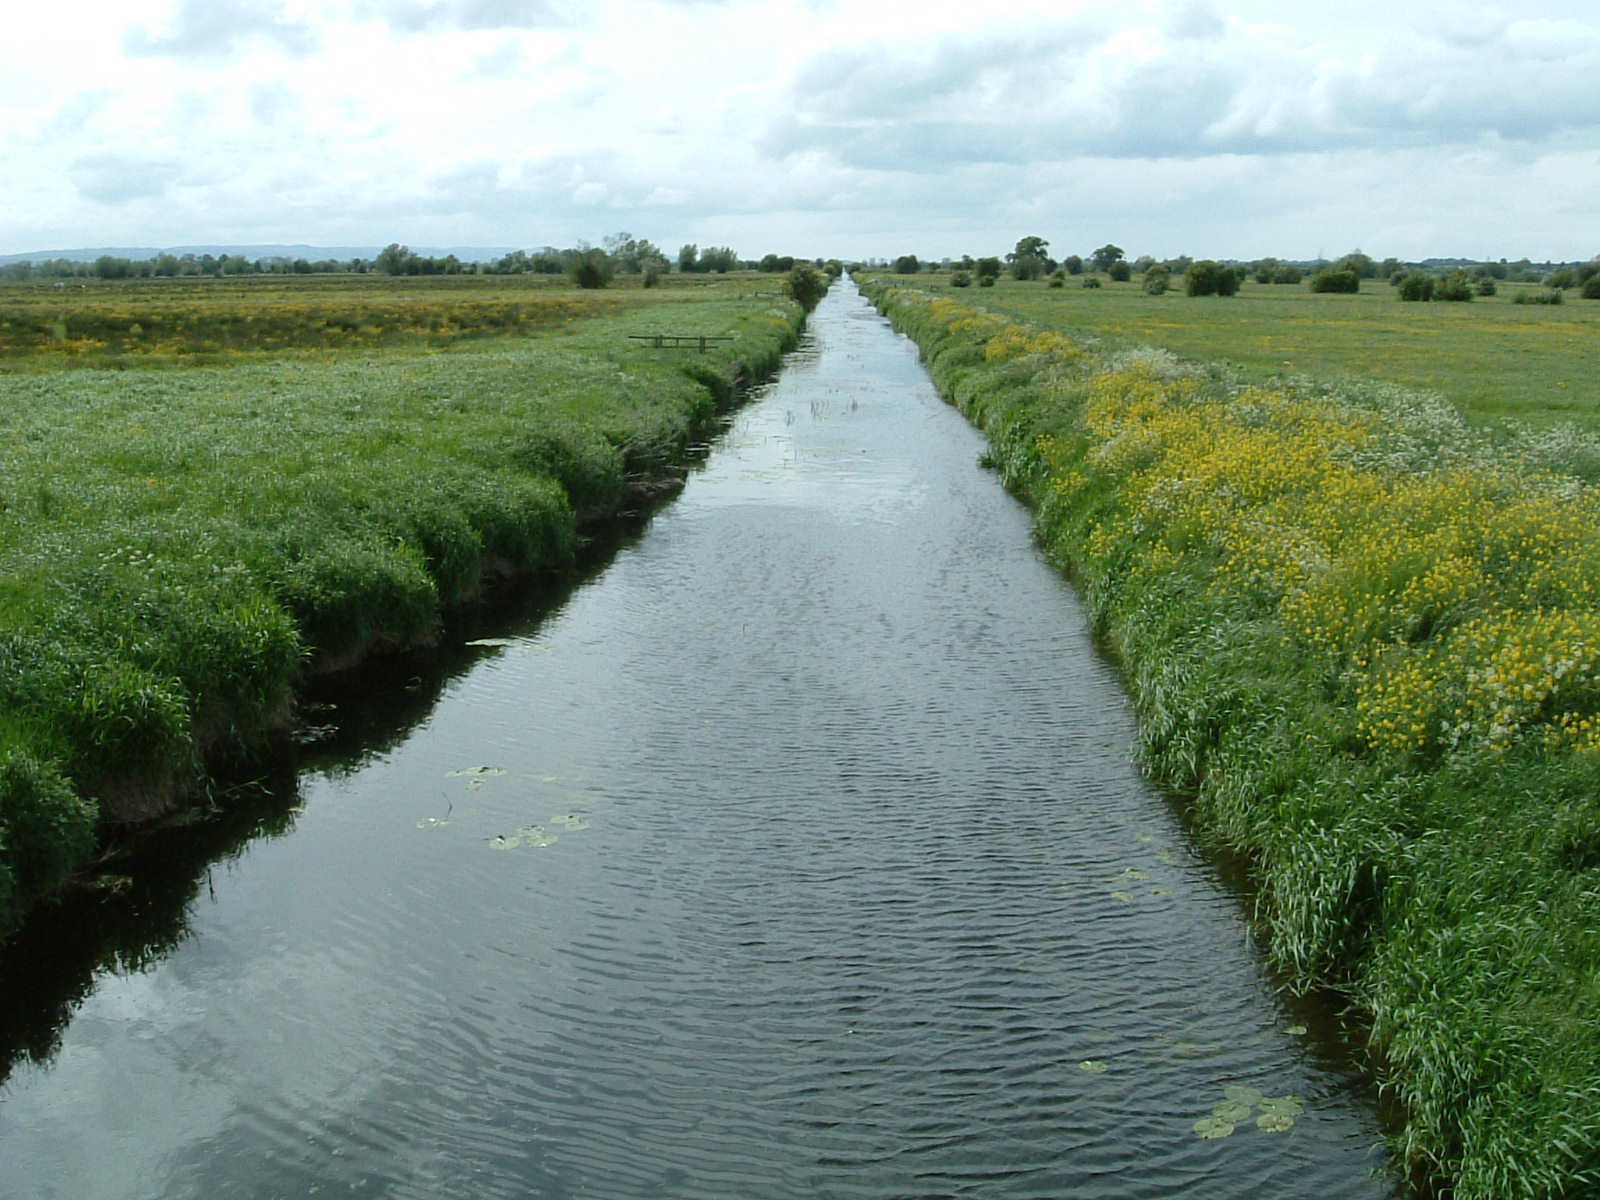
505	843
1288	1106
1296	1031
1274	1122
1213	1127
536	836
1093	1066
1146	838
432	823
1161	891
1165	858
476	772
571	821
1231	1110
1135	873
1248	1096
1125	897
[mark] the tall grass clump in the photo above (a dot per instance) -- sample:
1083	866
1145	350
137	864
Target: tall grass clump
179	549
1364	645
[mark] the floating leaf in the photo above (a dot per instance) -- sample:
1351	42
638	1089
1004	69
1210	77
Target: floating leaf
1135	873
1164	857
571	821
536	836
1232	1111
1146	838
1296	1031
1161	891
432	823
1212	1127
1093	1066
1247	1096
1125	897
1274	1122
1288	1106
476	772
505	843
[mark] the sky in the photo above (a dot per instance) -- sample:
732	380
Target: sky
1228	129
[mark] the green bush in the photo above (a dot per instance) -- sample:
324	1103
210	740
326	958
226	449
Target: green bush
1591	287
1416	286
1157	279
1456	287
1091	281
960	280
1208	278
1343	280
46	830
806	285
986	280
1120	271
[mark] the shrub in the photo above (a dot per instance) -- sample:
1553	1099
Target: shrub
592	268
985	280
1157	279
1564	278
1416	286
806	285
1591	288
1342	280
46	830
961	279
1288	273
1091	281
1056	282
1456	287
1120	271
1486	286
1550	297
1204	279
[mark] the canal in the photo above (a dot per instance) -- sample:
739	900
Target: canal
796	853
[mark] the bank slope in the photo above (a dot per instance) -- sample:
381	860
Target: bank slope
1365	645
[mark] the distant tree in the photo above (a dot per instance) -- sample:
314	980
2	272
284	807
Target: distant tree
1030	259
1142	264
1179	265
989	266
1102	258
1591	288
1120	271
1565	277
907	264
806	285
395	259
1264	270
1358	262
590	267
1072	265
720	259
689	258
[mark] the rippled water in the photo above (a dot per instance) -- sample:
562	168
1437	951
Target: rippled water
798	854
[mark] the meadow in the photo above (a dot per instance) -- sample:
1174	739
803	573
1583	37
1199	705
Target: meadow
1363	639
196	515
1492	358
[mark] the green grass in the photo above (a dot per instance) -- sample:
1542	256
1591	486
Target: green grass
179	545
1493	359
1363	640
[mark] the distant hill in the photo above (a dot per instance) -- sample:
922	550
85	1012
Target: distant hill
310	253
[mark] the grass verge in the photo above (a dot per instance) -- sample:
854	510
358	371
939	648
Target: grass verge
1364	641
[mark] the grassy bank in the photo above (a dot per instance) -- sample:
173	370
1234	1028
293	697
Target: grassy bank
1493	358
1364	645
178	547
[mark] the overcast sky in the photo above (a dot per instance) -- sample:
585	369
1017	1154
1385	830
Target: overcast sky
850	128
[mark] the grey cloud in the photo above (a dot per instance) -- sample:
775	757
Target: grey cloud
432	16
113	177
1007	100
221	28
271	102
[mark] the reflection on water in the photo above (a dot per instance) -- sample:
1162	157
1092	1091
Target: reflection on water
798	853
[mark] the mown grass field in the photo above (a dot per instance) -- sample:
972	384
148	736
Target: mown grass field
1363	640
192	520
1492	358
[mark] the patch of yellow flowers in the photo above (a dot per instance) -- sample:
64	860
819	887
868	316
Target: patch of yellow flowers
1456	605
